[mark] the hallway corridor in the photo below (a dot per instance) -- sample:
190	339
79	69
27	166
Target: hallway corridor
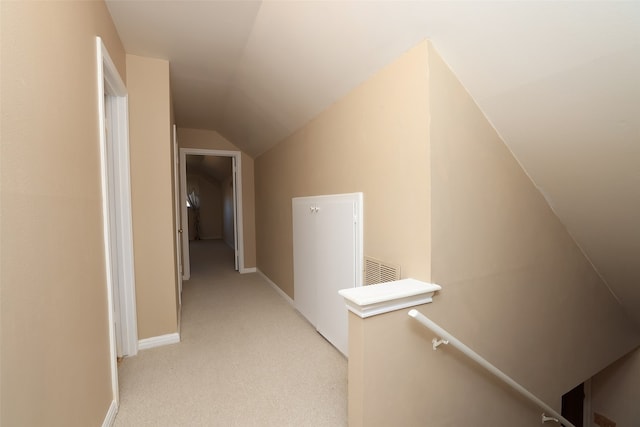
246	358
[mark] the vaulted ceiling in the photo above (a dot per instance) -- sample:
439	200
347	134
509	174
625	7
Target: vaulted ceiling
560	81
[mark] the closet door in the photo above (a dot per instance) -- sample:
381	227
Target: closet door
336	265
304	257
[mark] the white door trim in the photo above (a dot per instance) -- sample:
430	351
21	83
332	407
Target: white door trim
111	86
186	267
234	180
178	213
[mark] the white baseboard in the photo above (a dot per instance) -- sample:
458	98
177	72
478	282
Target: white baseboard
248	270
158	341
110	418
277	288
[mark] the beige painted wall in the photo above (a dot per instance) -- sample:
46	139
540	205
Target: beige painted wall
203	139
516	288
374	141
446	200
55	345
212	140
396	379
152	195
249	210
615	392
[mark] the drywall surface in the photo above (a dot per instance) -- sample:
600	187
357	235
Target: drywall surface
615	391
203	139
152	195
516	288
396	379
55	356
248	210
374	140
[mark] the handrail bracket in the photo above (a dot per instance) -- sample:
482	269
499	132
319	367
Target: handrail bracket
438	342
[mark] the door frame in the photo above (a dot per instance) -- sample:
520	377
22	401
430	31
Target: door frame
112	95
178	214
237	155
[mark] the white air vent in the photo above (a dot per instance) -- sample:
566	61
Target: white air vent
376	271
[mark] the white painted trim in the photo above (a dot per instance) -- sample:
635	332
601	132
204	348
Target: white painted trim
371	300
186	258
178	212
186	267
105	223
248	270
110	418
381	308
117	92
128	310
276	288
239	211
359	215
111	88
235	171
159	341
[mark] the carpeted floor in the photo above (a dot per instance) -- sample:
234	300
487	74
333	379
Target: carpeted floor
246	358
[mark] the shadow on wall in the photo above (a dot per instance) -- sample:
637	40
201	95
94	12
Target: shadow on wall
210	198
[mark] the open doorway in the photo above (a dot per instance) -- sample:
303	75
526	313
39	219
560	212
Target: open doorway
573	405
210	198
211	201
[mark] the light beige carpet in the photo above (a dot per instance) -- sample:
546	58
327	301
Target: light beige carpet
247	358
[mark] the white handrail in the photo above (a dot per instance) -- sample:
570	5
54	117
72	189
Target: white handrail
447	338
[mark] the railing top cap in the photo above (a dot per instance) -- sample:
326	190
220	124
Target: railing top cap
389	291
371	300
